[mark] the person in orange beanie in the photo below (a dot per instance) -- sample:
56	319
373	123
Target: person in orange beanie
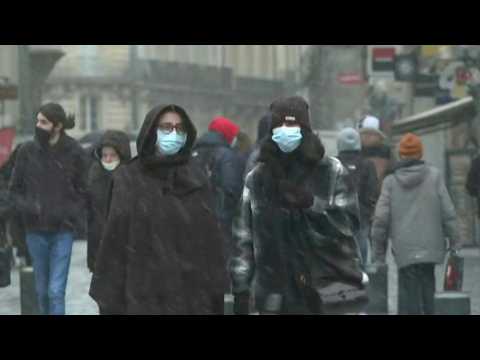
415	211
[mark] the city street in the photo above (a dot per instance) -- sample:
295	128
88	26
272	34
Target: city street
79	303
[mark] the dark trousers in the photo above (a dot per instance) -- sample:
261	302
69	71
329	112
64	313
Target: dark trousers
416	289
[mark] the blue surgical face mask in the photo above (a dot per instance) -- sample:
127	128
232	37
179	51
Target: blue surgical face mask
170	144
287	138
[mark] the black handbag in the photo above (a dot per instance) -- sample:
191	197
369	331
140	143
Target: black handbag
337	277
6	255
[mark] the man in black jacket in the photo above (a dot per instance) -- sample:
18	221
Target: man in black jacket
363	176
48	188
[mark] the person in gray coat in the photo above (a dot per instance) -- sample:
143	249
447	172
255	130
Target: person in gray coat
363	175
416	212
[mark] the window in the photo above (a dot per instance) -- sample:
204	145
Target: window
89	113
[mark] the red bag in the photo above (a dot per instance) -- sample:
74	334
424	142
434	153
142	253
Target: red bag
453	280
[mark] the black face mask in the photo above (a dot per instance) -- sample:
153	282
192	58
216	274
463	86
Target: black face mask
42	136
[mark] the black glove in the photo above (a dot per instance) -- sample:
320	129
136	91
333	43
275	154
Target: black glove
295	196
241	303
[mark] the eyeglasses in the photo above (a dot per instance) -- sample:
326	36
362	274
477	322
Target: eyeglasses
167	128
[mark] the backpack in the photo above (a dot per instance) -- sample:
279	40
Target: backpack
353	173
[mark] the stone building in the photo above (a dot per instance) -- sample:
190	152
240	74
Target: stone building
113	86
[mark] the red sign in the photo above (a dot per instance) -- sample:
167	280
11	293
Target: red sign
7	136
383	54
382	59
350	79
8	92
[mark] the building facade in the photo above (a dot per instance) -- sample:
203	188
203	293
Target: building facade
113	86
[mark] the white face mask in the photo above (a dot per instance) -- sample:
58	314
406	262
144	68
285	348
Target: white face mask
110	166
234	142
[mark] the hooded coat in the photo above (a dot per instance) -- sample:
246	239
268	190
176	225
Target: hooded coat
284	252
99	185
415	211
162	249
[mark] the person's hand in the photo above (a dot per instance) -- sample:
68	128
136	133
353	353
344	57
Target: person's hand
241	303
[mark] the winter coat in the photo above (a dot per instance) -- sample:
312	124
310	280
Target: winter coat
282	251
48	185
473	181
415	211
364	176
374	148
12	220
162	249
99	185
226	179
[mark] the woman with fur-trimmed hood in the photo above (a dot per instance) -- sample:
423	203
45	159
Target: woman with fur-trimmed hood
298	214
112	151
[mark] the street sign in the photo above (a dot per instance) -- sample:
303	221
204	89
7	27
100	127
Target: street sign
350	79
8	92
381	60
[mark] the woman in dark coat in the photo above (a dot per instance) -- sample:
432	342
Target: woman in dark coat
298	215
112	151
162	249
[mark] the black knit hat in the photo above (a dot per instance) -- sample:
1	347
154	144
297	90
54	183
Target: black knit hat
56	115
293	108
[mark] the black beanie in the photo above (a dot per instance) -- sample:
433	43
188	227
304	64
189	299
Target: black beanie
294	108
56	115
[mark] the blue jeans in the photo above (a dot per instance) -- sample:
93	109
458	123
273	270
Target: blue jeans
51	254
